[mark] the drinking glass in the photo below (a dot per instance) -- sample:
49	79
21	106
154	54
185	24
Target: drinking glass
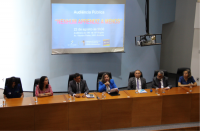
103	95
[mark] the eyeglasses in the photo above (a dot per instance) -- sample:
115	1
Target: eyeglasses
160	76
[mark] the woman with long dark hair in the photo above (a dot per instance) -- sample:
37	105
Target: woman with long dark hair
187	79
13	89
107	84
43	88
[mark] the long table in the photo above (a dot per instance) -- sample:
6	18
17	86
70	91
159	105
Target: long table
129	109
196	128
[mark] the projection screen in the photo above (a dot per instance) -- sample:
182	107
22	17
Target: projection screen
88	26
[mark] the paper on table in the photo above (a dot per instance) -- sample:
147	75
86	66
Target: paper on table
90	96
142	91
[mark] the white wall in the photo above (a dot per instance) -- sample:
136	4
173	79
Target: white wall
25	39
176	50
7	39
197	15
195	63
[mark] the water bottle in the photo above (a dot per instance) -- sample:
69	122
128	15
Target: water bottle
3	102
163	90
108	89
190	87
156	91
36	99
136	90
103	95
69	97
73	98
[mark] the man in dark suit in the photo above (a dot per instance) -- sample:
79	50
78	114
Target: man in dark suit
78	86
137	82
160	81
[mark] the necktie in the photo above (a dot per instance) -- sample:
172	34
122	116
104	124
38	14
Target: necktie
137	84
159	86
78	88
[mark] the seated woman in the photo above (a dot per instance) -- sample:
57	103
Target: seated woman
43	88
107	84
186	79
13	90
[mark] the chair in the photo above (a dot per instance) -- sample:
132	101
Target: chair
71	77
18	81
100	76
165	73
132	74
36	82
180	73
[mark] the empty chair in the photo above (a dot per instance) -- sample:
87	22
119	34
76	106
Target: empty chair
180	73
100	76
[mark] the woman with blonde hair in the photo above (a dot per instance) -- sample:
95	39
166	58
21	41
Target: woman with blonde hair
107	84
187	79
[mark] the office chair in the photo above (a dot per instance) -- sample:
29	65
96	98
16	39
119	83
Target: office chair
36	82
18	81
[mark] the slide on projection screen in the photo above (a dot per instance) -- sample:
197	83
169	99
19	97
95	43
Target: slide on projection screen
88	26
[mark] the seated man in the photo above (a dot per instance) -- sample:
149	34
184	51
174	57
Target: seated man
78	86
137	82
160	81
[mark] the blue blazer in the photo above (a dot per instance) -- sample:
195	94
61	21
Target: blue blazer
102	86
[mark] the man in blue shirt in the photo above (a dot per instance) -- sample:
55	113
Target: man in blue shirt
187	79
